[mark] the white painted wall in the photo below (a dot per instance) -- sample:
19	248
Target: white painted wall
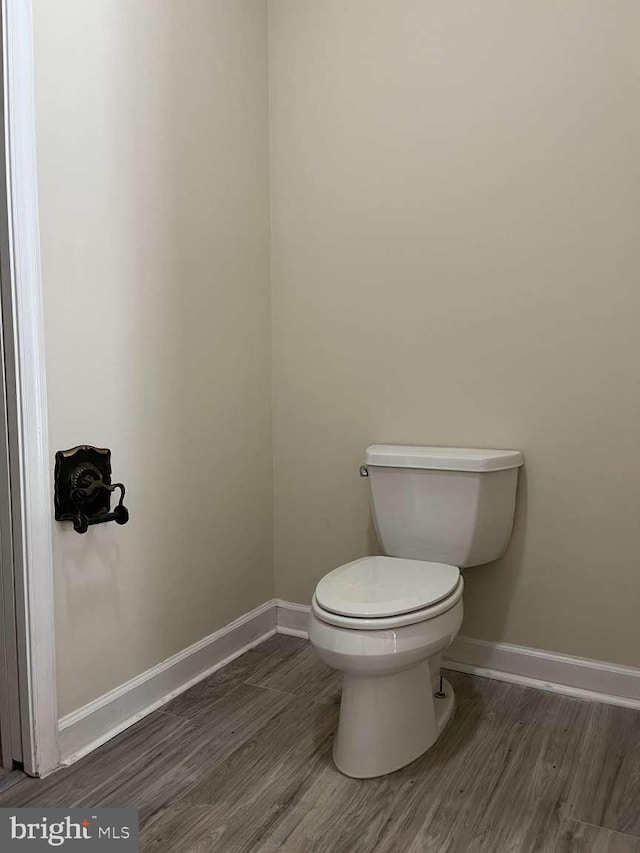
456	258
152	131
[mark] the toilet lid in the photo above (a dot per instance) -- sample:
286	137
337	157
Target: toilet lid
385	586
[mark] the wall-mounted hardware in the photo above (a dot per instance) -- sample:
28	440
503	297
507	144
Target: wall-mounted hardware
83	488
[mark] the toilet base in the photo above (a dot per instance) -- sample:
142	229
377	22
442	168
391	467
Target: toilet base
387	721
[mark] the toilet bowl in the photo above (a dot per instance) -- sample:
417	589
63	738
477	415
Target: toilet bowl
393	705
385	621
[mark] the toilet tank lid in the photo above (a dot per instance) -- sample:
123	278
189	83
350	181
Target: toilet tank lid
442	458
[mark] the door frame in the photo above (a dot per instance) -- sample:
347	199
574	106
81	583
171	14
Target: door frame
26	401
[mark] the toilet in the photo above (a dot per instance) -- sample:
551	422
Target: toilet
385	621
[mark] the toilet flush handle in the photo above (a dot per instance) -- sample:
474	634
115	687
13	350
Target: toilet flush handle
364	471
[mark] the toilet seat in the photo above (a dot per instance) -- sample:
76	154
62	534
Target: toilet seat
386	623
374	587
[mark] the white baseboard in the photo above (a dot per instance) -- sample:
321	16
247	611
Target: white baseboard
292	619
593	680
93	724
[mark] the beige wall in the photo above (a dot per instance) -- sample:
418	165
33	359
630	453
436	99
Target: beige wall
153	164
456	260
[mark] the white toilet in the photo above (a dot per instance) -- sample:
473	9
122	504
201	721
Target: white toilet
385	621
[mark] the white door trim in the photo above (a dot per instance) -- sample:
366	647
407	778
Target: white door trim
27	404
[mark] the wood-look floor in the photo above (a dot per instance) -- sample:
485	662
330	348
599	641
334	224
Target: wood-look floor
242	762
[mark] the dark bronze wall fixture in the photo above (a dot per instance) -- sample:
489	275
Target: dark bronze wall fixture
83	488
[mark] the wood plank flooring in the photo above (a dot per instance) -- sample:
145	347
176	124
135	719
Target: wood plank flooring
242	762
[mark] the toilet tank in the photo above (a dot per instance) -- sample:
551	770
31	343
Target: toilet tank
443	504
